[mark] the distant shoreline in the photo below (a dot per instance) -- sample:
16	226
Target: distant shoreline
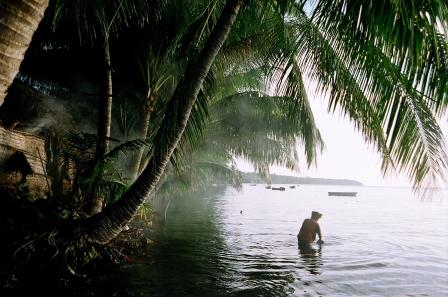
254	178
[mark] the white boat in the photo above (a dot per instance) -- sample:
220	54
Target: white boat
347	194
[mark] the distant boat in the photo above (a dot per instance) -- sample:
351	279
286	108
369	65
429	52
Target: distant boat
268	187
253	185
292	187
279	188
348	194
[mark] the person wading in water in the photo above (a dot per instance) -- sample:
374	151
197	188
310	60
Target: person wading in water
308	231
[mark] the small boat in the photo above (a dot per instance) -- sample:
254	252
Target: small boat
279	188
268	187
292	187
253	185
347	194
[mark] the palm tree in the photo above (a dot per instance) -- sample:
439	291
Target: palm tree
20	19
158	72
106	225
96	21
163	59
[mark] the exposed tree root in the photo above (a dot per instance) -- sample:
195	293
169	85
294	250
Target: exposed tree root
37	249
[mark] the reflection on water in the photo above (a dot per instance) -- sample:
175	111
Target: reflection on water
311	257
384	242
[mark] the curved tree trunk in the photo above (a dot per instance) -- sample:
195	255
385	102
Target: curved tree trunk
106	225
105	106
19	20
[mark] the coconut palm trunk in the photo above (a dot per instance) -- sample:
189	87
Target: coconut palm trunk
19	20
105	106
144	127
106	225
95	203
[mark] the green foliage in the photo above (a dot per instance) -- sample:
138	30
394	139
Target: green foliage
378	92
92	177
95	19
413	34
264	130
144	211
126	119
197	175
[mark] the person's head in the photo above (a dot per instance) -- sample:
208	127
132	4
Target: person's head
315	215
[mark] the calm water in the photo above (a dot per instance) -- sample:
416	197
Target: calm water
384	242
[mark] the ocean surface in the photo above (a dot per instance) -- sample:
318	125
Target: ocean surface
383	242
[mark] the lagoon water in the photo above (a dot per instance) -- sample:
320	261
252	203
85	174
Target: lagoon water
384	242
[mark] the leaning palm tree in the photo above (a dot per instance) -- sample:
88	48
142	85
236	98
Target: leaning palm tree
158	72
20	19
106	225
164	57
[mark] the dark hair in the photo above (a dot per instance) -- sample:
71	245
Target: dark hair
315	215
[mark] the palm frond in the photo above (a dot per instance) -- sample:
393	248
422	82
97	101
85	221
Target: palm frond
206	172
97	18
258	128
199	175
194	130
372	89
126	148
299	113
322	64
413	34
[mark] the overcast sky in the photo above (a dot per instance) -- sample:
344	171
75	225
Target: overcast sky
346	154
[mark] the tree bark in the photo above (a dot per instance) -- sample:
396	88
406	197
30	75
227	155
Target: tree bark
19	20
105	105
147	110
106	225
95	203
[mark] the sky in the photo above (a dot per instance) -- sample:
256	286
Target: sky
346	155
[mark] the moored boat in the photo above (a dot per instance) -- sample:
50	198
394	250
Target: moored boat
279	188
348	194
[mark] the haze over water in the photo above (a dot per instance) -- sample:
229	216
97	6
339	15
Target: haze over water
384	242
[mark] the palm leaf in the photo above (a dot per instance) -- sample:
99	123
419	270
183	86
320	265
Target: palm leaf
413	34
94	19
375	93
126	148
